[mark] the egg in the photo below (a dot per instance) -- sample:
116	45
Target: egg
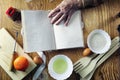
38	60
86	52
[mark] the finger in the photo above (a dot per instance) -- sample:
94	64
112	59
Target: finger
53	12
61	19
68	18
55	18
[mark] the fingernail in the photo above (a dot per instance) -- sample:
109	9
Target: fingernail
66	24
48	16
52	22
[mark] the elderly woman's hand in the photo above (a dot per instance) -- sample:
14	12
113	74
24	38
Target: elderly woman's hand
64	11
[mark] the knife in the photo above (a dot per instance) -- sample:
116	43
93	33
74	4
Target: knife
38	72
14	55
41	68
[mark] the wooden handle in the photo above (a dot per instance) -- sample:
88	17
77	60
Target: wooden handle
14	56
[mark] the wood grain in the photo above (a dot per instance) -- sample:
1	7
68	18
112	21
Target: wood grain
100	17
6	52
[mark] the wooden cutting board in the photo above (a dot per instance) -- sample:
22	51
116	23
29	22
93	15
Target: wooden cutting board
6	53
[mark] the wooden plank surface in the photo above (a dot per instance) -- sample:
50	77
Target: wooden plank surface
6	52
100	17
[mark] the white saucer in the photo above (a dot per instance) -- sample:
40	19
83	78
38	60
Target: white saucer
99	41
60	76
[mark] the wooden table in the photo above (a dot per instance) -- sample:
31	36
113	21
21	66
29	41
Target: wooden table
101	17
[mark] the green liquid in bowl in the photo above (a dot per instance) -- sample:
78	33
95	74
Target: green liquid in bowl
60	66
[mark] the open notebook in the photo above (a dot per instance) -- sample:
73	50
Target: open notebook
41	35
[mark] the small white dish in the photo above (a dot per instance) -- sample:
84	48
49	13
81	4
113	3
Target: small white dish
99	41
60	67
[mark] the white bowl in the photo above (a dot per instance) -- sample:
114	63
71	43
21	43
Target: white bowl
58	73
99	41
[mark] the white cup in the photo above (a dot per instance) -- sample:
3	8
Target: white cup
63	62
99	41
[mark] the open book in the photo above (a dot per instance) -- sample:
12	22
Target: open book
41	35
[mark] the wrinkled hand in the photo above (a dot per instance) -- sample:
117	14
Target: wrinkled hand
63	11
